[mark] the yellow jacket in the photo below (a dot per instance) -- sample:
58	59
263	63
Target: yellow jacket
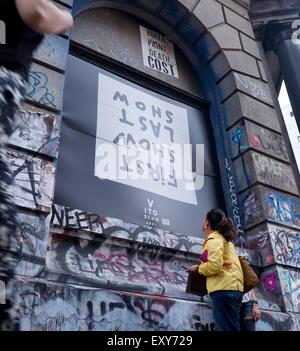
221	265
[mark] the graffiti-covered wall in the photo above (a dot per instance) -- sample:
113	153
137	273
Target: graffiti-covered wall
80	269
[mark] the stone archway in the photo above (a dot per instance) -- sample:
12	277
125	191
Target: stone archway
200	47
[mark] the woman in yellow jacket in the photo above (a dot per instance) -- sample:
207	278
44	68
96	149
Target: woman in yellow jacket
221	265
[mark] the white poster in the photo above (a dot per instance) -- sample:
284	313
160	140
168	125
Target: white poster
158	52
137	136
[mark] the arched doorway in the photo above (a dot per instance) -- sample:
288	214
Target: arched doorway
128	85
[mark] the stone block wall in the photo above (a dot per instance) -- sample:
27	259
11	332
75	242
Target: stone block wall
33	151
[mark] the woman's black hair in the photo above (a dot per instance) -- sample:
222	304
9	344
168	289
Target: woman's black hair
224	225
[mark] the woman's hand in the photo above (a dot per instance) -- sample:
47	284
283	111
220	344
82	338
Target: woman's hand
227	262
256	312
193	268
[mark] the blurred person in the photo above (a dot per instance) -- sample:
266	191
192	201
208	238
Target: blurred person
24	23
249	312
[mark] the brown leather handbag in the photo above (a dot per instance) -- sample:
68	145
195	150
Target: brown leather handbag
250	277
196	284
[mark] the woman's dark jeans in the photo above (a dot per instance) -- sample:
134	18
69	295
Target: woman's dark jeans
226	305
247	318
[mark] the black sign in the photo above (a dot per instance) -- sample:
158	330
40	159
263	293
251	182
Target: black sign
110	127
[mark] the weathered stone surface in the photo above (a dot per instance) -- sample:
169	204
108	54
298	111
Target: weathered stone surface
250	135
262	71
258	240
209	13
117	36
254	167
269	291
236	61
273	321
30	240
275	245
152	5
236	208
30	269
254	87
286	247
275	173
96	261
173	12
53	51
191	28
49	306
37	131
260	204
34	181
242	62
238	139
250	46
245	172
241	10
32	236
290	286
244	3
241	105
189	3
266	5
252	207
220	66
226	36
281	208
121	41
239	22
279	288
45	86
207	46
63	217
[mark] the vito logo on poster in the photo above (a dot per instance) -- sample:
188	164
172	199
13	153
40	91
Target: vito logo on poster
158	52
143	141
2	32
151	214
